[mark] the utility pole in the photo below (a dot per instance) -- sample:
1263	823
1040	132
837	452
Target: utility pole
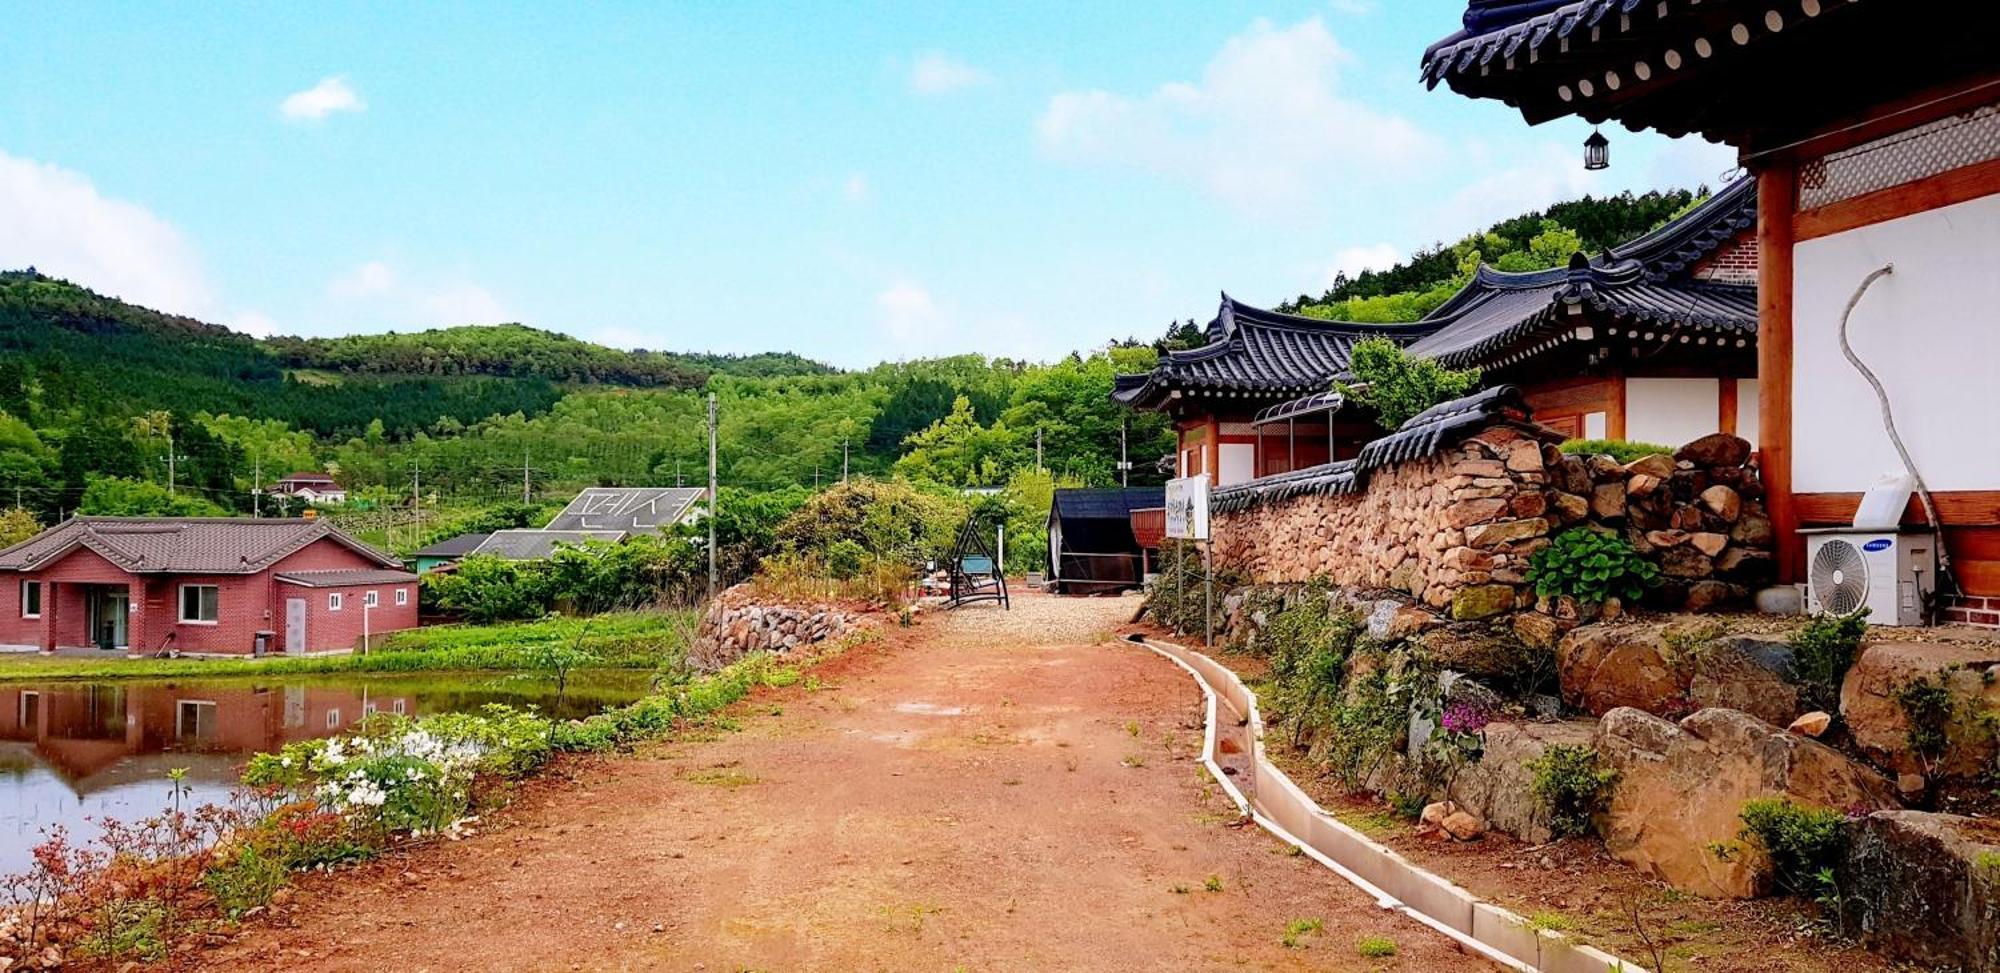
527	484
170	462
1038	449
257	488
677	472
417	496
712	499
815	477
1124	465
843	461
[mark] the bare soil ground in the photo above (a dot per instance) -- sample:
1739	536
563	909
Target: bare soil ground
988	791
1575	886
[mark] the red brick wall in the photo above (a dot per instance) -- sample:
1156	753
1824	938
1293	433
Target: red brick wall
1735	263
328	630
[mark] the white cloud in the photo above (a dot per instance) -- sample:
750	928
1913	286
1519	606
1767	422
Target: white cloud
462	303
1688	163
380	289
330	95
253	323
1266	128
55	220
909	315
1353	8
855	188
1548	173
938	73
1353	260
365	280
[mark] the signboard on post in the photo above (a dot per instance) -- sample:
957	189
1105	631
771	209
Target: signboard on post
1187	508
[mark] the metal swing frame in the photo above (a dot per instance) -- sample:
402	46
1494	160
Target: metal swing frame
975	571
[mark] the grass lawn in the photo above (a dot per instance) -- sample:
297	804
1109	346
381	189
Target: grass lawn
619	640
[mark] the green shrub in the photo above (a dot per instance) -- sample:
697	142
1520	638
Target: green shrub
1570	787
1624	451
1376	947
1398	385
1928	707
1591	566
1822	652
1804	844
843	558
1175	598
1309	644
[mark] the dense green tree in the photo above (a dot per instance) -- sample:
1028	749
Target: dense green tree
113	496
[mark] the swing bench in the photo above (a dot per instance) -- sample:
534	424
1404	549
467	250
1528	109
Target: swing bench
974	571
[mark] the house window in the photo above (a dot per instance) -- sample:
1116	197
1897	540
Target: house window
402	596
335	601
199	603
333	719
31	708
195	719
31	599
400	707
371	600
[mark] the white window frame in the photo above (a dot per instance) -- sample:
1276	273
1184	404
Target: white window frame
36	587
180	607
371	599
182	707
402	596
333	719
335	601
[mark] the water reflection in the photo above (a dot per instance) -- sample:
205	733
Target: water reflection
70	752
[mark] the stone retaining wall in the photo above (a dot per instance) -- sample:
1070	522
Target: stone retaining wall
741	621
1455	529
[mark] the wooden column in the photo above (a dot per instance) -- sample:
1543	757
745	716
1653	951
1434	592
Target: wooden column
1777	194
1214	447
1614	411
1725	407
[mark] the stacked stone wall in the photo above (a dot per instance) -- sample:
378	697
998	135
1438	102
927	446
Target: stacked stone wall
740	621
1455	530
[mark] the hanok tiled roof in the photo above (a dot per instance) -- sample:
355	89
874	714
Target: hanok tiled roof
458	546
344	578
181	545
638	510
1427	433
1496	318
1261	353
531	545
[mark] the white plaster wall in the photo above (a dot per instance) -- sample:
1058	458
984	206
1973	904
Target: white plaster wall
1594	424
1671	411
1746	409
1238	463
1930	331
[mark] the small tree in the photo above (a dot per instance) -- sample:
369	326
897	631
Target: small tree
1398	385
17	525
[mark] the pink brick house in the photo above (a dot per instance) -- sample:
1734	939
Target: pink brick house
199	586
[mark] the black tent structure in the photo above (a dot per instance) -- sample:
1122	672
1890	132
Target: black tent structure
1092	547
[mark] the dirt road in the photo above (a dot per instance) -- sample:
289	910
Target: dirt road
992	791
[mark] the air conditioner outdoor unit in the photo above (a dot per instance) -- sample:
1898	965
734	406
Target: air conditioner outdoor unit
1890	573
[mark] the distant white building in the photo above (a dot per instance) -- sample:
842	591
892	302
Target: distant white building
313	488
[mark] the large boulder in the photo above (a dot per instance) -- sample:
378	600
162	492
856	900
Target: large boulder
1751	675
1603	667
1681	787
1970	673
1716	449
1500	787
1925	888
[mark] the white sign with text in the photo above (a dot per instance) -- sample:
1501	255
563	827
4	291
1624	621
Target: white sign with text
1187	508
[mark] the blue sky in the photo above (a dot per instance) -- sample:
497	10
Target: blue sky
852	182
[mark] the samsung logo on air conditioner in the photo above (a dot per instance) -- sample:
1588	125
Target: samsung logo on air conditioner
1878	544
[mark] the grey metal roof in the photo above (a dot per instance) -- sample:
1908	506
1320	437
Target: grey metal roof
182	545
344	579
1425	434
458	546
531	545
1113	503
636	510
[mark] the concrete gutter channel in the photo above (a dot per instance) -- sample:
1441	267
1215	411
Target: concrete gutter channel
1280	807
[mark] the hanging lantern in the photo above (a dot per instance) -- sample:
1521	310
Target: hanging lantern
1596	151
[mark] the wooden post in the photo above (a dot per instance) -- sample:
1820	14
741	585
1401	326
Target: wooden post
1614	413
1777	187
1214	447
1725	407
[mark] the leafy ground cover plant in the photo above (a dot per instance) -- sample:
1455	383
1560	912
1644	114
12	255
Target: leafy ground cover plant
1591	566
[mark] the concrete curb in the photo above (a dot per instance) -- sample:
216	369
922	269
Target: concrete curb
1396	884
